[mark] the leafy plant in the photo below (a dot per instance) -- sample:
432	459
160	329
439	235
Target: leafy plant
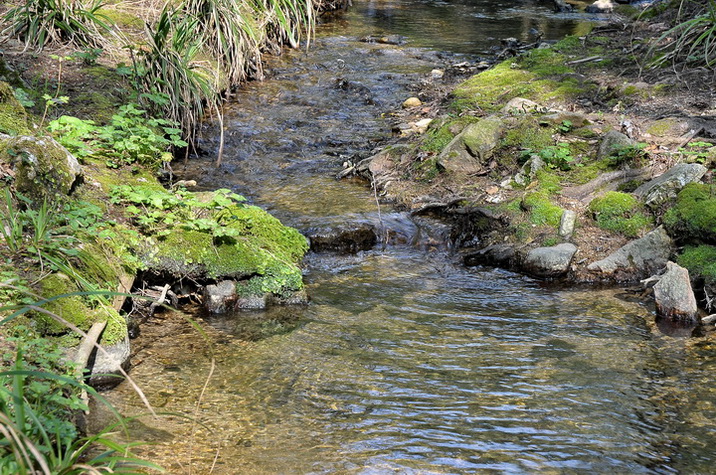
131	136
88	56
156	211
38	23
632	154
228	31
555	156
697	152
691	41
169	67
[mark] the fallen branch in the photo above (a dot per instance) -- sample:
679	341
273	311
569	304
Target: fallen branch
89	342
585	60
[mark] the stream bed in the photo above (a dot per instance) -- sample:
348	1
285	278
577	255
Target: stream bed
405	361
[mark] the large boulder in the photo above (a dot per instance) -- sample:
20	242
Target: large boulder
637	259
674	296
666	186
550	261
42	167
469	151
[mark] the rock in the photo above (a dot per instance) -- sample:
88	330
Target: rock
637	259
600	6
13	118
437	73
498	255
612	143
253	302
471	148
673	294
666	186
669	127
42	167
529	170
385	40
550	261
105	368
423	123
221	297
561	6
558	118
519	105
412	102
343	239
566	223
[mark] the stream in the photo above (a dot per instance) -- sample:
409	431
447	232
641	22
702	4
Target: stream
405	361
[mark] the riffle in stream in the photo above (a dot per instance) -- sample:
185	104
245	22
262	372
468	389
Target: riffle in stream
405	362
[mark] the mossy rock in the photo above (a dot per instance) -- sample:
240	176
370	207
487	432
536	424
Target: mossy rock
13	118
621	213
43	168
693	217
74	309
262	253
540	75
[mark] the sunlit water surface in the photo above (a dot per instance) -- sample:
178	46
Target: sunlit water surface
405	362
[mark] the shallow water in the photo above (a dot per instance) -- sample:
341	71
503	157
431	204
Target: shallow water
405	362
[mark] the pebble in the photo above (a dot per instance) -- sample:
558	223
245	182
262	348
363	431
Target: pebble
412	102
437	73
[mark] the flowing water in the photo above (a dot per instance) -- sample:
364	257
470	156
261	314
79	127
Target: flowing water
406	362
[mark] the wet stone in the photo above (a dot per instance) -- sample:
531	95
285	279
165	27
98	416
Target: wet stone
342	239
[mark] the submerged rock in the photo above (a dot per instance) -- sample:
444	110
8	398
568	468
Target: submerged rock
674	296
343	239
550	261
637	259
666	186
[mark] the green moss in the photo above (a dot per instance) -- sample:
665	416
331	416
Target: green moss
663	127
527	133
541	210
13	118
122	19
620	213
540	75
548	182
700	261
260	250
74	309
441	133
693	217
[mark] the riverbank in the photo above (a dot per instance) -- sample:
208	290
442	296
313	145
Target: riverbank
97	235
575	161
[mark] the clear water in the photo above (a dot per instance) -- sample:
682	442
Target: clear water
406	362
